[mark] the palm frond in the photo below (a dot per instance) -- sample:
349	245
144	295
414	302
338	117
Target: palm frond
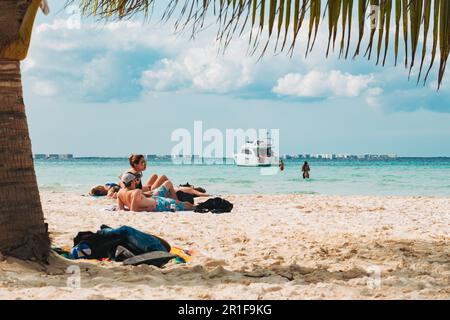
283	19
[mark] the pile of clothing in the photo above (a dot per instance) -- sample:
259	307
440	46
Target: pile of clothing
124	244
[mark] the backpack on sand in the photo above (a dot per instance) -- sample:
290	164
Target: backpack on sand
100	246
215	205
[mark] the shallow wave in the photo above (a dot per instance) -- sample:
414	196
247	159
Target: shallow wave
386	178
209	179
303	192
241	181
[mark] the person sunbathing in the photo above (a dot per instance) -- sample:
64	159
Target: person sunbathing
167	190
108	189
131	198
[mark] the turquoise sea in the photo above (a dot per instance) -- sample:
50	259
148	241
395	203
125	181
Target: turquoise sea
401	176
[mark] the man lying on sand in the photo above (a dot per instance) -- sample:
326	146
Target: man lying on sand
131	198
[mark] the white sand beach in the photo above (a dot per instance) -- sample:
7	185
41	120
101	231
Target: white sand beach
269	247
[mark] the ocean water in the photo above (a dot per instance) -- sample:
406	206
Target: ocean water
401	176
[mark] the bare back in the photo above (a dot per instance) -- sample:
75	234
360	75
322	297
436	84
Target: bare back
135	200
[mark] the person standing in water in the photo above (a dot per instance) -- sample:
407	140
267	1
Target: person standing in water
305	170
281	165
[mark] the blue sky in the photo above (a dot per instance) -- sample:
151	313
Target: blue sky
96	89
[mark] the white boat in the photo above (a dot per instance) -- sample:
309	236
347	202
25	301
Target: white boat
256	154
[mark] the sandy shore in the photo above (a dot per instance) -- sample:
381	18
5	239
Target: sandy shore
269	247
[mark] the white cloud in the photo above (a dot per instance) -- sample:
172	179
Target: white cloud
65	35
375	91
181	64
372	99
92	61
323	84
58	36
201	69
44	88
58	47
98	73
167	75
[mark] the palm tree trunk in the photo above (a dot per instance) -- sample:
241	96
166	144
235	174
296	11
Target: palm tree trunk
23	233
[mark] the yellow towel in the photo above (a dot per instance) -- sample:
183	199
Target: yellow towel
186	255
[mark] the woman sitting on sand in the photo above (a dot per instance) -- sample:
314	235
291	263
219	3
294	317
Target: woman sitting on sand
138	165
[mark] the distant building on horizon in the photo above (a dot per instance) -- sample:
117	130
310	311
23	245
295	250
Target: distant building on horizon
343	156
40	156
65	156
159	157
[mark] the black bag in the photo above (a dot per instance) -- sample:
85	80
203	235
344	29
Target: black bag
215	205
103	246
185	197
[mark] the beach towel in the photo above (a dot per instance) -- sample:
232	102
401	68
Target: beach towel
64	252
183	255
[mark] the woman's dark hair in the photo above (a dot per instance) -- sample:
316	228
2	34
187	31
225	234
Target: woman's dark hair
98	191
134	159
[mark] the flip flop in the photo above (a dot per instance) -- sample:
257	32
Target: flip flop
155	258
